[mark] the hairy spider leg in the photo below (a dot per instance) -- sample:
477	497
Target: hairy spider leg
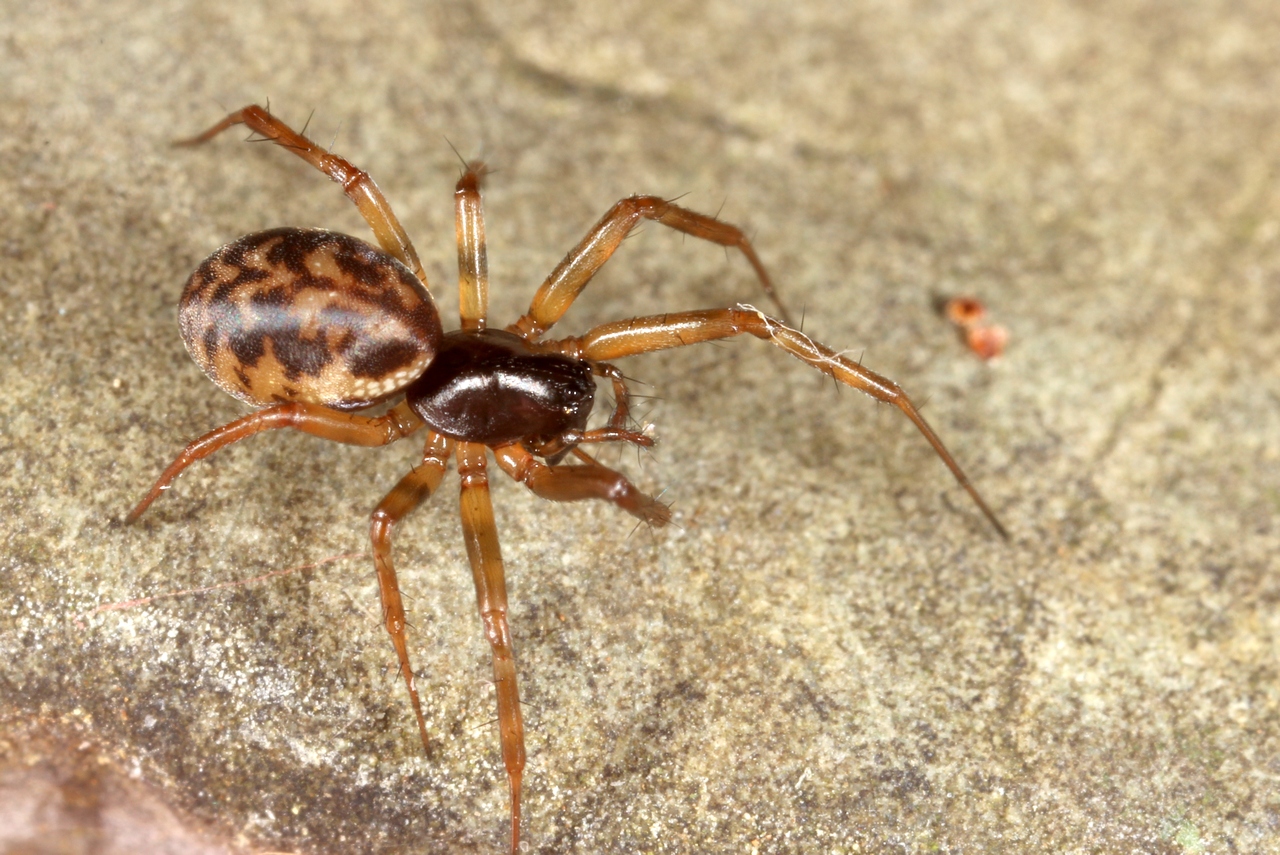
480	533
573	273
473	258
396	423
356	183
615	340
574	483
412	490
479	530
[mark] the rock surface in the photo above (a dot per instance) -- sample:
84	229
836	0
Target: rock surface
830	652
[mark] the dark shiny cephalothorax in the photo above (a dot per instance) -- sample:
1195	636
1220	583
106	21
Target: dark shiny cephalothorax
486	386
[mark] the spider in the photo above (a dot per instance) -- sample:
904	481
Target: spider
310	325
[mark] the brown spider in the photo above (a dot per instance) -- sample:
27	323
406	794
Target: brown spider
309	324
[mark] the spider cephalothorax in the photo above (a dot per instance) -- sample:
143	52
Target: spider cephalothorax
310	325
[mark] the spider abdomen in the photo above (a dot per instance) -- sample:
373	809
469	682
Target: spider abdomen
488	387
308	315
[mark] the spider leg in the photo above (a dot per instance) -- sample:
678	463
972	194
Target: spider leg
572	483
398	422
659	332
413	489
356	183
473	259
481	536
573	273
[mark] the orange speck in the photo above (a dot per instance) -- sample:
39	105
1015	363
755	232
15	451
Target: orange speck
965	311
987	342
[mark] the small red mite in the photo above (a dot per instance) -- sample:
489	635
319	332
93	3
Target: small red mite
965	311
987	342
968	314
310	325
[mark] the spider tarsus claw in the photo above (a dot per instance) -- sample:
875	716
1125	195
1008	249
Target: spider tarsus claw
991	517
656	514
188	142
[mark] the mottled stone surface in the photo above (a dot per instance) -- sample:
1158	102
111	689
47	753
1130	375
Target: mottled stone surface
830	652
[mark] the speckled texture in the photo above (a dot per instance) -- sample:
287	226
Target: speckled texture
830	652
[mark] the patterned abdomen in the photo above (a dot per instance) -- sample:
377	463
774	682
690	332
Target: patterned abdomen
308	315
